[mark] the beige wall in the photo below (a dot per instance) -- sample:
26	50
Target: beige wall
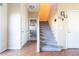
68	6
62	6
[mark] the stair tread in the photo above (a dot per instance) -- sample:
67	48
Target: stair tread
47	39
50	48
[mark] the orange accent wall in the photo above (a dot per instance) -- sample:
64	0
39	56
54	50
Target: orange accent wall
44	11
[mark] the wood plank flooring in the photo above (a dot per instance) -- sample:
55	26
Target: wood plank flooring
30	50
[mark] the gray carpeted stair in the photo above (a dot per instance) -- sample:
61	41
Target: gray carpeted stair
47	39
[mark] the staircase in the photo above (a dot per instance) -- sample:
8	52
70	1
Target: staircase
47	39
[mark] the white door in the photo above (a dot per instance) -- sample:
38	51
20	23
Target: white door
24	31
3	27
14	31
24	25
14	26
73	26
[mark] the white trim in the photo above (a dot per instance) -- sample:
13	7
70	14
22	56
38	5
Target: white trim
38	40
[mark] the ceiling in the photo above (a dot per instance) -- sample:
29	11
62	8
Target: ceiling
33	7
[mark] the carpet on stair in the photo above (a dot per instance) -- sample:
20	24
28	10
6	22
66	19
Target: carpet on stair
47	39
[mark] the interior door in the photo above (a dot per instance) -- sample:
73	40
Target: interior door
3	27
73	26
24	25
24	31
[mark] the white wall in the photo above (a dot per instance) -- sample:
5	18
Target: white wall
54	27
61	32
0	24
14	28
59	29
3	27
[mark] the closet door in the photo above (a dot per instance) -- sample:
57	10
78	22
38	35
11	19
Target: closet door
14	26
3	27
73	26
24	25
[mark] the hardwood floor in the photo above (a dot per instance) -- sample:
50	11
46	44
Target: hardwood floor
30	50
10	53
71	52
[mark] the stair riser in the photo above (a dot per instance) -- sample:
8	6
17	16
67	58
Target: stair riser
47	39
